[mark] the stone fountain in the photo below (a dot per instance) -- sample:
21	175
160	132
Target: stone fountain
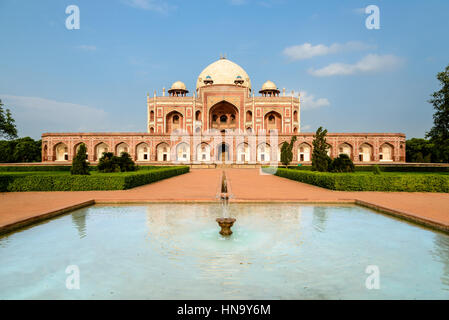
225	225
226	222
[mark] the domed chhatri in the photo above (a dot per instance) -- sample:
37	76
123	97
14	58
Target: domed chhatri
223	71
269	89
178	88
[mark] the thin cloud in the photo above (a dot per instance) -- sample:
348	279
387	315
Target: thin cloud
369	64
150	5
35	115
309	101
307	50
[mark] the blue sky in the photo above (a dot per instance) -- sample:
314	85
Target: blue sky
352	79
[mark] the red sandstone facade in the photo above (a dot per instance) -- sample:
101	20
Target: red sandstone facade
223	121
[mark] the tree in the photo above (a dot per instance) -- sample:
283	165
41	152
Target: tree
80	165
20	150
320	159
439	133
420	150
342	164
7	124
286	151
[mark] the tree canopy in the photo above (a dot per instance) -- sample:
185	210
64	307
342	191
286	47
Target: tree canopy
287	151
80	166
7	124
320	159
439	133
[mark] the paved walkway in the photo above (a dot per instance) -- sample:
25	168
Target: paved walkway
21	208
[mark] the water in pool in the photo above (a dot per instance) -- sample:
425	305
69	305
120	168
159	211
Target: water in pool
174	251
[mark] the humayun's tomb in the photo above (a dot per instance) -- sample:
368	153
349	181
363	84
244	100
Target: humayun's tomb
222	121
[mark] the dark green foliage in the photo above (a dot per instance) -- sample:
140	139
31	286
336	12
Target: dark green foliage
112	181
387	168
20	150
110	163
368	181
439	134
126	163
7	124
320	159
80	166
342	164
376	169
286	152
420	150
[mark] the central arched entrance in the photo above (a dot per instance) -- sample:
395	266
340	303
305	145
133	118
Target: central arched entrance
223	152
223	116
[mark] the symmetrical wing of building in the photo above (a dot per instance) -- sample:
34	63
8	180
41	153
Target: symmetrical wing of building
222	121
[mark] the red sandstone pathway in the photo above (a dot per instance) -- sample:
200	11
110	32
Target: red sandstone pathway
244	185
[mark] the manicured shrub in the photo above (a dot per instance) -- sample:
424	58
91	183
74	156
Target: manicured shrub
369	182
80	166
376	169
111	181
342	164
108	163
126	163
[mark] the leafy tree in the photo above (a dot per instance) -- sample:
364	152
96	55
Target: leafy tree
342	164
20	150
320	159
420	150
80	165
287	151
7	124
439	133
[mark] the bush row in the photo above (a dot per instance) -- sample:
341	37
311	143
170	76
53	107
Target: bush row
117	181
385	168
369	181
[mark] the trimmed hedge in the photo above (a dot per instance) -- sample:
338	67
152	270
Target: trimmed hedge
369	181
385	168
33	168
115	181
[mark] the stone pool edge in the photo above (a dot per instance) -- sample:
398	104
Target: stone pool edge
435	225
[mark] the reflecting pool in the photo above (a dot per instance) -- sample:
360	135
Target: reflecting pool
174	251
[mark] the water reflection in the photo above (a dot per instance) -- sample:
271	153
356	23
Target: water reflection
174	251
320	218
79	221
441	251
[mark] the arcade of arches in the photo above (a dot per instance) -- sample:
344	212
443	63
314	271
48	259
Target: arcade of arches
180	126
